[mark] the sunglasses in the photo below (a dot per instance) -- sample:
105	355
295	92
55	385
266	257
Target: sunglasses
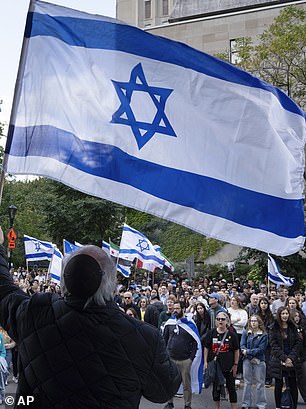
127	298
221	319
254	321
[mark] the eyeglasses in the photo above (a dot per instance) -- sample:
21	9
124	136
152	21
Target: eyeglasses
221	319
254	321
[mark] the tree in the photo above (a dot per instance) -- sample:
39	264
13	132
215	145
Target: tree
73	215
278	56
290	266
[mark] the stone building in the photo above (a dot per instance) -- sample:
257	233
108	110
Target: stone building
208	25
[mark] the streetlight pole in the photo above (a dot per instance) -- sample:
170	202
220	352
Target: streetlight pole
12	213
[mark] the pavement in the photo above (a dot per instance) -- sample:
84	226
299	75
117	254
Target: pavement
203	401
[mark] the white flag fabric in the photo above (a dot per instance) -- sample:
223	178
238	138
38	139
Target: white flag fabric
145	266
55	266
158	126
275	276
111	249
36	250
124	270
134	244
167	262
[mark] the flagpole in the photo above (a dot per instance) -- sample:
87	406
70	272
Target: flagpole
268	282
17	92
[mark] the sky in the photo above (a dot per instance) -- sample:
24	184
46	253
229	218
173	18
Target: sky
12	22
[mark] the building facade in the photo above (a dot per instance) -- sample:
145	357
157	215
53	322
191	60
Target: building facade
211	26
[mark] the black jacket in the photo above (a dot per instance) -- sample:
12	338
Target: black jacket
97	358
153	311
277	349
180	344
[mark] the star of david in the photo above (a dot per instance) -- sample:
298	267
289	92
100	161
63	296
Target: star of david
37	246
143	245
143	131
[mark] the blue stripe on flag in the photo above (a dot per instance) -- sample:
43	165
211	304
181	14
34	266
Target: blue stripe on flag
120	37
143	256
283	280
202	193
56	277
45	243
39	256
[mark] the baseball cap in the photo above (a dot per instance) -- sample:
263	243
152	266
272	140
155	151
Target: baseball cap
214	295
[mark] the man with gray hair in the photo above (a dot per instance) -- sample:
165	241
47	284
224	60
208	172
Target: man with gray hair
80	350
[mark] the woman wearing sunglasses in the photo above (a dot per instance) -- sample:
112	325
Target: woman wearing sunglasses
224	343
254	341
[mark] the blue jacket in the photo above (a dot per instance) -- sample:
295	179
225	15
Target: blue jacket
254	345
2	347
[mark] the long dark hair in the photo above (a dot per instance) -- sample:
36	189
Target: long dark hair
280	322
266	316
197	316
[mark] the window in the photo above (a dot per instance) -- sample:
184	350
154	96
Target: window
234	51
165	6
147	10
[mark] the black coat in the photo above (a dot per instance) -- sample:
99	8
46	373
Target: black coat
277	349
97	358
153	311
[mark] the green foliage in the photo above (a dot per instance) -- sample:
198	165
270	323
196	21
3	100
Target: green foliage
177	242
73	215
290	266
278	56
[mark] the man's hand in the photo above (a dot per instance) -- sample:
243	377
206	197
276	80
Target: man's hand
1	236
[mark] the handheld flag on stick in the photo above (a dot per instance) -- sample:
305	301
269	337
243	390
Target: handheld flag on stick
36	250
118	113
275	276
55	266
69	247
124	270
136	245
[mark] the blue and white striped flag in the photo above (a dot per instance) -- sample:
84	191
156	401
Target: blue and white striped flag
275	275
124	270
134	244
36	250
158	126
55	266
69	247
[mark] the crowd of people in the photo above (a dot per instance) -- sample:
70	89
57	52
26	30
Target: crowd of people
255	332
265	342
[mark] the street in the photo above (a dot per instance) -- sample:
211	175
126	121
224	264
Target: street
204	401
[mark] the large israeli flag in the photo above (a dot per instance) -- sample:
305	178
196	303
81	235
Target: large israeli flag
158	126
